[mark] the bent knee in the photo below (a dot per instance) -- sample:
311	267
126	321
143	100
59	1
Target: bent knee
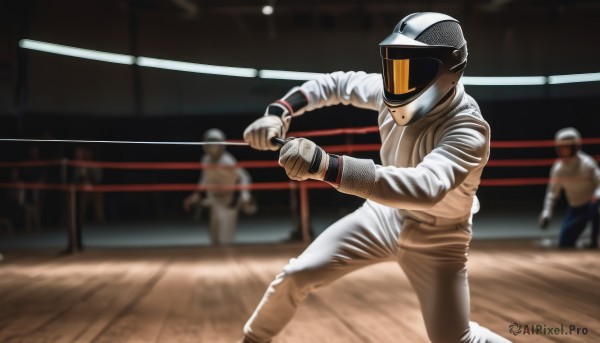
305	278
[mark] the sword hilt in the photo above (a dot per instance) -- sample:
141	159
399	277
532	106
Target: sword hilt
278	141
317	155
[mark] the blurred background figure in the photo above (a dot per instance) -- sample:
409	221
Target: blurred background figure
33	198
578	175
220	170
11	205
88	176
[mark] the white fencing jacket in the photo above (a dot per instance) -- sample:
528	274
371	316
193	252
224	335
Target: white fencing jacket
223	173
430	169
580	179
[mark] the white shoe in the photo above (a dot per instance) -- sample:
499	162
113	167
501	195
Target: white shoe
546	243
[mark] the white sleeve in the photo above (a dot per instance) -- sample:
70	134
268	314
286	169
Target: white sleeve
463	147
552	192
358	89
597	179
201	179
595	174
244	176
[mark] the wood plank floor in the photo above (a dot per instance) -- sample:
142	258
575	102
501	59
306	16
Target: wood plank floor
206	294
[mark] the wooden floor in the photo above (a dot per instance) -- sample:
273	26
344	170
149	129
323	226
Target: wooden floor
205	295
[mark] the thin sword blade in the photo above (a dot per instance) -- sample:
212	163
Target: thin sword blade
118	142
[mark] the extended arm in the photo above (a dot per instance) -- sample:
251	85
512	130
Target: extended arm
552	193
350	88
463	147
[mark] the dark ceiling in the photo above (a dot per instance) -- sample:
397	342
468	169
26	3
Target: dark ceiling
506	38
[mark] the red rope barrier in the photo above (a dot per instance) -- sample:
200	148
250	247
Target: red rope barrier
39	186
542	162
522	144
170	165
331	132
530	181
187	187
146	187
19	164
166	187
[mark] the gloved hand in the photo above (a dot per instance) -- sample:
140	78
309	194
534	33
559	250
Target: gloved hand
274	123
259	133
190	201
245	196
247	203
544	221
303	159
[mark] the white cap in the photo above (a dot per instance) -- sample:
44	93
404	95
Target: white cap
214	135
567	136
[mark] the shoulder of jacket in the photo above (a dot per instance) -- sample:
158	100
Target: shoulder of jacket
227	158
467	113
470	107
587	159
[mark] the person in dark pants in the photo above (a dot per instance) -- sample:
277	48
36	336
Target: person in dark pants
578	175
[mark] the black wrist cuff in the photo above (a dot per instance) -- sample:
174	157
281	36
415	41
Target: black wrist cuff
334	169
296	100
275	110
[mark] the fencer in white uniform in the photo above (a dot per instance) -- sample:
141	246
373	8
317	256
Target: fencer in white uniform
578	175
419	202
224	204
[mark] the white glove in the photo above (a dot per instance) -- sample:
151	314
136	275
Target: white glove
303	159
247	203
191	200
245	196
259	133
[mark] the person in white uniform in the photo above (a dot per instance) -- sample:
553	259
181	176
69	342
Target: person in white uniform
224	204
419	201
578	175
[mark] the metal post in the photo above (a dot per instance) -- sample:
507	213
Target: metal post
294	209
74	245
304	213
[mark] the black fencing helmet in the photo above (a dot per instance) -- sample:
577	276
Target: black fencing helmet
422	61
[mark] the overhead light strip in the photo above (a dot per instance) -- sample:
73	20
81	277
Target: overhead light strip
76	52
573	78
286	75
278	74
196	67
503	80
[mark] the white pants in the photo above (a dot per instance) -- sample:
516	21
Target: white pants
223	221
433	258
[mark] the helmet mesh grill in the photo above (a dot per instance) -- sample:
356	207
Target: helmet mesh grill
443	33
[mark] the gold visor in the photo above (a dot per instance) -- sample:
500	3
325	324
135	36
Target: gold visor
397	80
